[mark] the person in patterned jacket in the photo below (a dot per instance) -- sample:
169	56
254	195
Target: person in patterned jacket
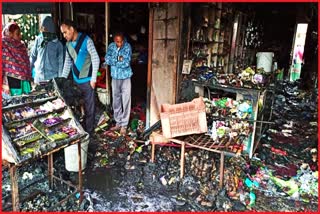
118	56
16	72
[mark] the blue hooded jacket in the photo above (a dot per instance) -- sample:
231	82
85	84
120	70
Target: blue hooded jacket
47	59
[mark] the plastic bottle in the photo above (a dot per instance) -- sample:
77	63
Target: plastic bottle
214	131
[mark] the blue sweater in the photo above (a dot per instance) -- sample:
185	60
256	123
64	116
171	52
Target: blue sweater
119	69
87	49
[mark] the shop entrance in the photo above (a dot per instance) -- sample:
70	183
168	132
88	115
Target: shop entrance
133	20
298	50
101	21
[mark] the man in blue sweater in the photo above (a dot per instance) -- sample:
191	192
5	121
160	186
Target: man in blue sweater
83	58
119	57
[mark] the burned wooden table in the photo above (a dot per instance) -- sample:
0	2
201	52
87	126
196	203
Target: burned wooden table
51	177
199	141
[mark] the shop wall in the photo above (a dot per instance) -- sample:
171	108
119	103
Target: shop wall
166	27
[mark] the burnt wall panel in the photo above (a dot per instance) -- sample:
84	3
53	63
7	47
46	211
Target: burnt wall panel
159	33
164	58
173	30
172	10
160	12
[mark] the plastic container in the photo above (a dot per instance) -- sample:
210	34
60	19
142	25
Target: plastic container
15	91
264	60
183	119
71	156
102	95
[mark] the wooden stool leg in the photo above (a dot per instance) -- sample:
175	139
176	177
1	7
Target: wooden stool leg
14	190
221	169
153	149
182	160
50	170
80	172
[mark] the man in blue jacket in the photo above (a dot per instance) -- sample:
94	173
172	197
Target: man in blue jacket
83	58
47	53
119	57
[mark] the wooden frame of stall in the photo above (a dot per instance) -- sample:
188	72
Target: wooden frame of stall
14	179
12	166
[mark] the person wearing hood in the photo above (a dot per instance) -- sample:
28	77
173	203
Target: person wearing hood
16	73
47	53
119	58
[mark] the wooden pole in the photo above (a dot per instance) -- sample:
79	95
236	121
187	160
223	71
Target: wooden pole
50	170
221	169
80	172
149	75
14	188
153	149
108	90
183	145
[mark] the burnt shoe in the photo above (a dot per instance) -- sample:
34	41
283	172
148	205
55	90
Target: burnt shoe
115	128
123	130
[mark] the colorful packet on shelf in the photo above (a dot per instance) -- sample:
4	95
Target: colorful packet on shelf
52	121
69	130
58	136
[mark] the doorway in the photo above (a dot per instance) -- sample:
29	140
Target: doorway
132	19
298	51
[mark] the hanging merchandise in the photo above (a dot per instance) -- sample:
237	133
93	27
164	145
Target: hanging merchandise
254	33
220	48
210	34
220	61
205	15
216	36
221	38
217	19
217	23
214	61
215	48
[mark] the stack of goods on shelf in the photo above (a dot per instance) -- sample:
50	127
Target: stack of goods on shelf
35	124
211	41
213	60
247	78
27	112
229	122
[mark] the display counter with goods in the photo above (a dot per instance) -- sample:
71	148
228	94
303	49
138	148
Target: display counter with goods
235	90
234	114
35	126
